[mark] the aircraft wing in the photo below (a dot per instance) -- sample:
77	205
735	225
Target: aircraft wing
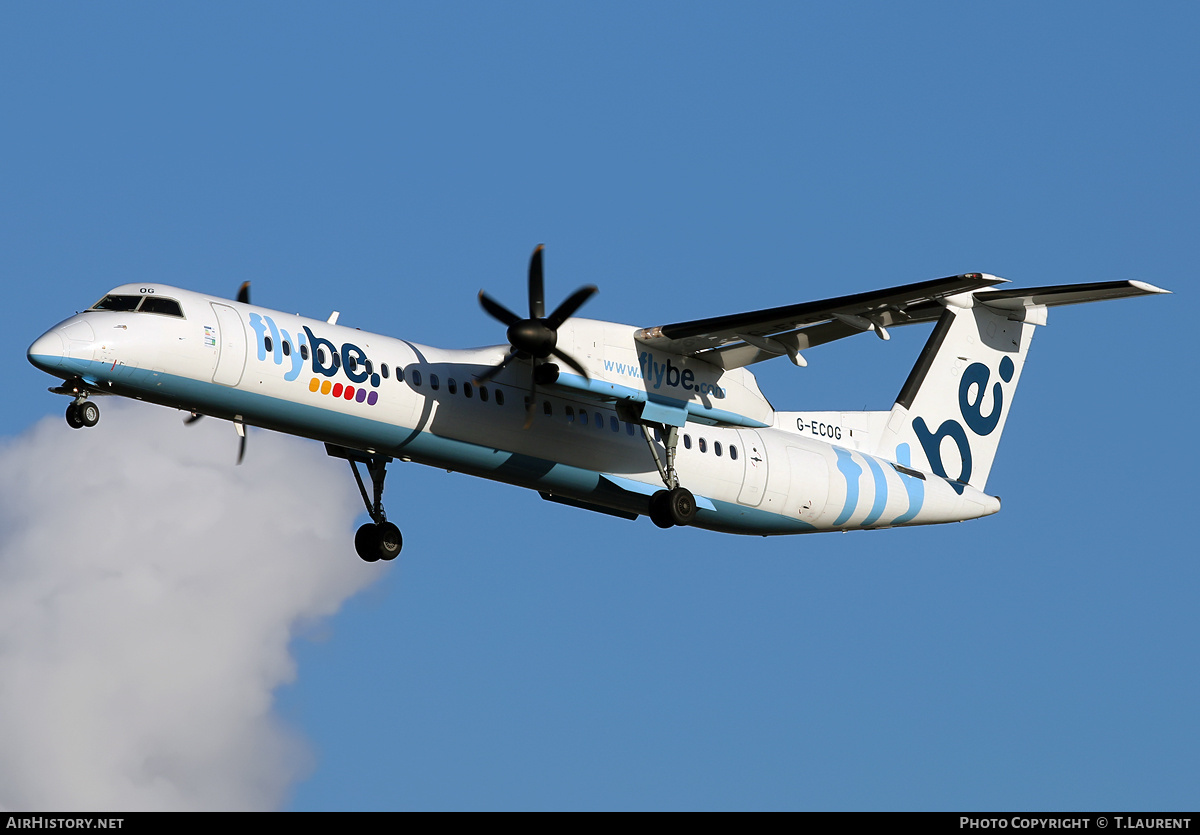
744	338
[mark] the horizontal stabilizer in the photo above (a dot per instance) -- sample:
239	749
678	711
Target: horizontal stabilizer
1066	294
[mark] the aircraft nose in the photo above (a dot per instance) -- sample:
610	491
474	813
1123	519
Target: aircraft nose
47	351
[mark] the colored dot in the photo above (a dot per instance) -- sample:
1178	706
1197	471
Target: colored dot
325	387
375	380
314	384
361	396
349	394
337	389
372	397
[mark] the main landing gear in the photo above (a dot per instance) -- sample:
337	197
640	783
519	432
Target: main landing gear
82	412
379	539
675	505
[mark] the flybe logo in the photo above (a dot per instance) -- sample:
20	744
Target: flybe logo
976	376
659	374
326	360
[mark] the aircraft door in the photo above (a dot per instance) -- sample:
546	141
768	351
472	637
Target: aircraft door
754	478
231	360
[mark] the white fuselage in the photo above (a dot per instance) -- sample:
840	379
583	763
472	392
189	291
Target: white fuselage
750	473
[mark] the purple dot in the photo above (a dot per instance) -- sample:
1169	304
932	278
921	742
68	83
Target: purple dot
361	395
372	397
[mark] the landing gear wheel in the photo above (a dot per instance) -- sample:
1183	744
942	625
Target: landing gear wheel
660	514
366	542
378	542
390	541
682	505
73	418
88	412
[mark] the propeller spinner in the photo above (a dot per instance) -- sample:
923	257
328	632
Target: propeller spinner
536	337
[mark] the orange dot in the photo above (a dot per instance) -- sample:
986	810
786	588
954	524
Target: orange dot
314	384
325	387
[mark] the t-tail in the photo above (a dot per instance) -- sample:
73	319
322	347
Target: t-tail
952	409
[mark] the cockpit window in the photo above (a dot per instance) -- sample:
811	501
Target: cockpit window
157	304
150	304
117	303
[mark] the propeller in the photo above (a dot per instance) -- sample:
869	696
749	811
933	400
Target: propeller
535	338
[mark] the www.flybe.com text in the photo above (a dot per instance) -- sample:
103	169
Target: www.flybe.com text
657	374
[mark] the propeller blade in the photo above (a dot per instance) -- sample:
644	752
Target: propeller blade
496	369
537	293
497	310
569	360
241	430
244	293
567	309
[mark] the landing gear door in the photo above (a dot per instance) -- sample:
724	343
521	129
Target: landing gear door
231	359
754	477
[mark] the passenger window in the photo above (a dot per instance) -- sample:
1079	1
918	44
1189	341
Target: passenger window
304	352
570	413
703	445
416	375
399	375
383	370
546	407
453	386
733	452
583	417
499	397
352	363
614	424
629	429
658	437
599	421
717	448
370	369
483	393
322	357
337	360
165	307
468	390
687	440
287	348
434	382
267	342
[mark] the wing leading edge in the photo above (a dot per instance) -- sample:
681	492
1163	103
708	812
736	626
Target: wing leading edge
744	338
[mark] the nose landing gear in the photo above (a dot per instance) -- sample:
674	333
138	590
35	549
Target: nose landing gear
82	413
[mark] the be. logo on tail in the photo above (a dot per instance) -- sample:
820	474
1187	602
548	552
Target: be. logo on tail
975	377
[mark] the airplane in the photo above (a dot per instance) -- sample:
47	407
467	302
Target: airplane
666	422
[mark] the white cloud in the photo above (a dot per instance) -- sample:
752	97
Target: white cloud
148	592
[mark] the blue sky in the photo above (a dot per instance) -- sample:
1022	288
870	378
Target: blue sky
389	160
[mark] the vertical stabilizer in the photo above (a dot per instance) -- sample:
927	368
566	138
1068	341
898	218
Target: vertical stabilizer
949	416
